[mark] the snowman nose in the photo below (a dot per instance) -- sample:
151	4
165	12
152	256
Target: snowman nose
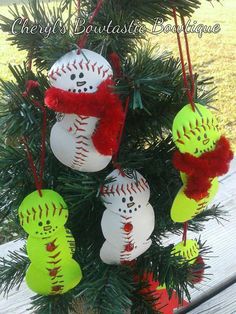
130	204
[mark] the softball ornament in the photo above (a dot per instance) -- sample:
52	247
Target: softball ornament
189	251
49	245
128	220
89	114
203	155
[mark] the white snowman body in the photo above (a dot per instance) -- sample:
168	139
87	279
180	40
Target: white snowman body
70	137
128	220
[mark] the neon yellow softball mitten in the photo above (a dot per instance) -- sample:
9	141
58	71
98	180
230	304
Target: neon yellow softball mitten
203	156
50	245
189	252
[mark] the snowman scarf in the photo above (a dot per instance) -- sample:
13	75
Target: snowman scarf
102	104
201	170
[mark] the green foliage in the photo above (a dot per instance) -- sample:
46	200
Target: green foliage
13	269
153	82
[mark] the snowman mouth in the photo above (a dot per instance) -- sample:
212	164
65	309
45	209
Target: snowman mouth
47	228
81	83
130	204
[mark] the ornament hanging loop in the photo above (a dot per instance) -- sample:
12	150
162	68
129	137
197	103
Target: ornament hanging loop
38	179
83	40
189	90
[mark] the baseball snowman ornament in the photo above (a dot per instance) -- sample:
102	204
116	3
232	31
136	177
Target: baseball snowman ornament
128	220
89	114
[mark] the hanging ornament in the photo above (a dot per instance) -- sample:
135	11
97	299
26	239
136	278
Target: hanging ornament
128	220
188	250
89	116
49	246
204	154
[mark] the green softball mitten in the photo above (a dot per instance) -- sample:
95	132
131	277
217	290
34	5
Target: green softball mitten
50	245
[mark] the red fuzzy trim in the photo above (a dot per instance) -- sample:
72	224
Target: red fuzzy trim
102	104
200	170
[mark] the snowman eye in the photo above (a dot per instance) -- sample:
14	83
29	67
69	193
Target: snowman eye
123	200
72	77
81	75
131	198
199	138
40	223
48	222
205	135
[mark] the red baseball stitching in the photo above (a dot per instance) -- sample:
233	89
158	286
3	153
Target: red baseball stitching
82	152
204	123
83	64
119	189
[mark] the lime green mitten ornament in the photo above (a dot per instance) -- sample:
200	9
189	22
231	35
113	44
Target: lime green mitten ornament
189	251
203	155
50	246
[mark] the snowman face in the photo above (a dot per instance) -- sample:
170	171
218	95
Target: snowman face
195	132
42	216
126	195
80	73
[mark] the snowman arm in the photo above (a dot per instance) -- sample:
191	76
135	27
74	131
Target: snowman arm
105	137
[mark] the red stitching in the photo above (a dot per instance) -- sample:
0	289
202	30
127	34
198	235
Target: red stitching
62	68
83	149
81	64
93	66
57	72
87	65
83	117
81	142
79	136
47	209
54	209
60	211
128	188
99	69
77	128
81	123
122	189
78	154
41	211
112	191
145	182
117	190
74	64
78	158
56	255
104	72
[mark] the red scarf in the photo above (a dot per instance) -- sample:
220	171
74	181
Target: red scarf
102	104
200	170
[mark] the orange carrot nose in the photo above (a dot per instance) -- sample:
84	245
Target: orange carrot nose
206	141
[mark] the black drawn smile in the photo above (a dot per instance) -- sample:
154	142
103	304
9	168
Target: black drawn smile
130	204
81	83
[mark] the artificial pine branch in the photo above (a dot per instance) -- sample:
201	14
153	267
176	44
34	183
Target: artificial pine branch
13	269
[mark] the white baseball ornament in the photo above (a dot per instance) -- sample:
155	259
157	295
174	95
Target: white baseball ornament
71	136
128	220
